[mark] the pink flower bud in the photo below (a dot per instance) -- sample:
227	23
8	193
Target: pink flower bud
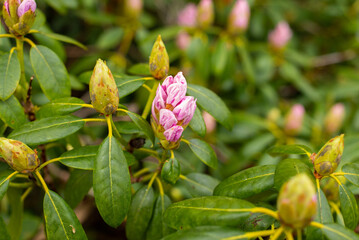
280	36
179	78
174	133
176	93
185	110
294	119
25	6
6	4
334	119
209	121
205	14
183	40
160	99
239	17
167	119
188	16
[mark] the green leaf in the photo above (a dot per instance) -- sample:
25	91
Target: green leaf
12	113
247	183
77	186
9	74
110	38
204	152
125	127
213	104
4	235
257	222
58	107
142	69
81	158
17	212
4	184
157	227
199	184
47	130
111	182
143	125
128	84
171	170
140	213
349	207
197	123
289	149
205	233
288	168
130	159
207	211
51	72
335	231
220	57
351	172
62	38
61	222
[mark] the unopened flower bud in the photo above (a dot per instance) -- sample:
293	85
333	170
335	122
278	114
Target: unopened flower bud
103	89
294	119
167	118
334	119
329	156
174	133
18	155
205	14
239	17
159	60
26	5
188	16
210	122
183	40
171	170
280	36
133	8
330	188
185	110
297	202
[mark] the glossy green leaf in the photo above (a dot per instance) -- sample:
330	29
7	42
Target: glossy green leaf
110	38
143	125
127	127
4	235
142	69
335	231
128	84
58	107
257	222
61	222
130	159
290	149
158	227
171	170
199	184
9	74
348	207
47	130
197	123
247	183
51	72
62	38
205	233
17	212
207	211
81	158
219	57
210	102
351	171
288	168
77	186
204	152
140	213
12	113
111	182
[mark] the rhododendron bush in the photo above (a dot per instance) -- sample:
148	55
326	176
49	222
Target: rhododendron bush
203	119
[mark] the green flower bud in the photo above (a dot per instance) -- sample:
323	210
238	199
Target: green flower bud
330	188
159	60
171	170
18	155
297	202
103	89
328	158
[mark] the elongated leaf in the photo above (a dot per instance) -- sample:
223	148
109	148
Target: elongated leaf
62	38
17	212
58	107
143	125
12	113
61	222
111	182
289	149
205	233
50	72
247	183
257	221
47	130
81	158
4	235
199	184
204	152
288	168
127	84
9	74
351	171
130	159
207	211
210	102
140	213
77	186
142	69
197	123
349	207
335	231
110	38
4	184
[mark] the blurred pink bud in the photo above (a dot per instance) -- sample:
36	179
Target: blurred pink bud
185	110
239	17
188	16
136	4
209	121
280	36
167	118
294	119
25	6
174	133
183	40
334	119
205	14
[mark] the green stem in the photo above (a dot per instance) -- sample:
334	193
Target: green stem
118	135
20	55
20	185
152	95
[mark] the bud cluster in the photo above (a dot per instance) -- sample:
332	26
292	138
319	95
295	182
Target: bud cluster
280	36
172	110
239	18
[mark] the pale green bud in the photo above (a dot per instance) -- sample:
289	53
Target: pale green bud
159	60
